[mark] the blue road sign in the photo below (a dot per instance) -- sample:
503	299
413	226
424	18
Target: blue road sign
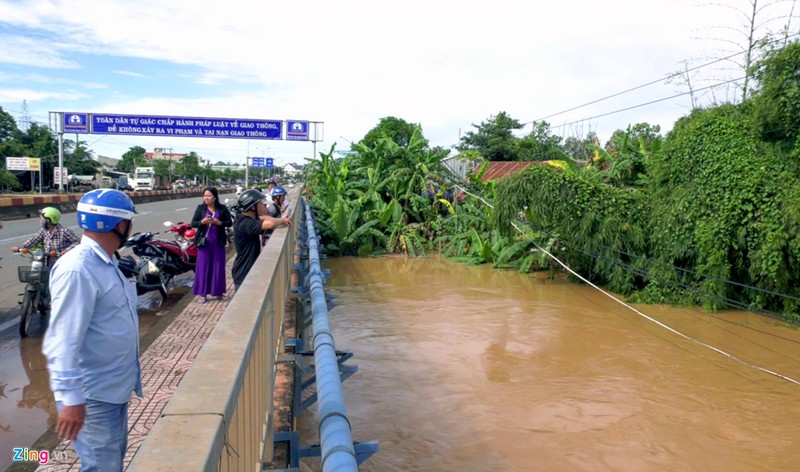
296	130
270	163
258	161
76	123
185	126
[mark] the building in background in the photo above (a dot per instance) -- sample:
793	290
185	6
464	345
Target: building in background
292	170
159	153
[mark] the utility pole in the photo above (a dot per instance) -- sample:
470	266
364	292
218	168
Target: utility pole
60	126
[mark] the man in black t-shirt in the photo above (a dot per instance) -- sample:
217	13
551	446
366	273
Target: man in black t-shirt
251	221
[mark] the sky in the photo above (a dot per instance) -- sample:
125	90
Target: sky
446	65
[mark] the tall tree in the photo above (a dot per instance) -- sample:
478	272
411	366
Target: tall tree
9	146
78	158
639	135
396	129
134	157
539	144
740	43
493	138
776	103
40	142
8	126
578	148
189	166
162	167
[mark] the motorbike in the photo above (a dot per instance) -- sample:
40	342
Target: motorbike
184	235
146	273
234	208
36	296
176	260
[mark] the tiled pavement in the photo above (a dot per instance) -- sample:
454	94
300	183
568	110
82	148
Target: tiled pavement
163	366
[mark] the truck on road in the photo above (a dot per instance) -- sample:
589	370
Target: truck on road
144	178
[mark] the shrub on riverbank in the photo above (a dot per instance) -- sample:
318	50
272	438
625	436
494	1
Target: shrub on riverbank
717	224
725	214
710	215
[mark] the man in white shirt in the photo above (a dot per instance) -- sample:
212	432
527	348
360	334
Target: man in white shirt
92	341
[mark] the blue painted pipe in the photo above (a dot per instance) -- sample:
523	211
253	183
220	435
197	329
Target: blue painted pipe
336	438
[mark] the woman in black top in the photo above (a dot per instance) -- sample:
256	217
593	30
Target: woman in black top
211	218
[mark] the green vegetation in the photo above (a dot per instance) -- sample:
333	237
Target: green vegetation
39	141
709	214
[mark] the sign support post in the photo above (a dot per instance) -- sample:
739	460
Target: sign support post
61	159
184	126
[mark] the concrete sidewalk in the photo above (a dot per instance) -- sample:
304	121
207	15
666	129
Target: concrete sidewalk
164	364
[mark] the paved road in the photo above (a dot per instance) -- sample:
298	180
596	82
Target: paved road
26	406
150	218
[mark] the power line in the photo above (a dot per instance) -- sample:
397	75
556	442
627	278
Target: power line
646	103
640	313
689	271
632	89
653	82
739	305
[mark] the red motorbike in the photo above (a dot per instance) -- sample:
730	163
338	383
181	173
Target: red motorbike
184	235
176	259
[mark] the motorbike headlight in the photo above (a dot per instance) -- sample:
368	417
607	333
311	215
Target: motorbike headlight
38	255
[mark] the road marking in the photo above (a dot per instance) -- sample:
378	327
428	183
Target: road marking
8	324
18	238
181	209
27	236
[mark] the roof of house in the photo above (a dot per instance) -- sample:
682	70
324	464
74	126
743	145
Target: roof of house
499	169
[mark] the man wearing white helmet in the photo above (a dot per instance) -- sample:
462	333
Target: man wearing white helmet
92	340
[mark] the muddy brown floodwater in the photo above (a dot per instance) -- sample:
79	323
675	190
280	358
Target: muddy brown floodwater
476	369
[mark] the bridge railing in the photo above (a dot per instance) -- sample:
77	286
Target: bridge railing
220	417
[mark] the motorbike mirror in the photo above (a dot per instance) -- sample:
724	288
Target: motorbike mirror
167	223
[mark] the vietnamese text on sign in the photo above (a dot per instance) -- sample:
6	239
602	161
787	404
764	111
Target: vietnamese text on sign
23	163
187	127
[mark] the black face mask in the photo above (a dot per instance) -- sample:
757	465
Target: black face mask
123	238
44	224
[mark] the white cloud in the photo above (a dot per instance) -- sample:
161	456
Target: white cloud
31	52
129	73
9	95
443	64
59	81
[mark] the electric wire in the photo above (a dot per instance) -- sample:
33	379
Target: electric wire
684	270
641	272
728	301
633	89
646	103
659	323
638	312
712	277
653	82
